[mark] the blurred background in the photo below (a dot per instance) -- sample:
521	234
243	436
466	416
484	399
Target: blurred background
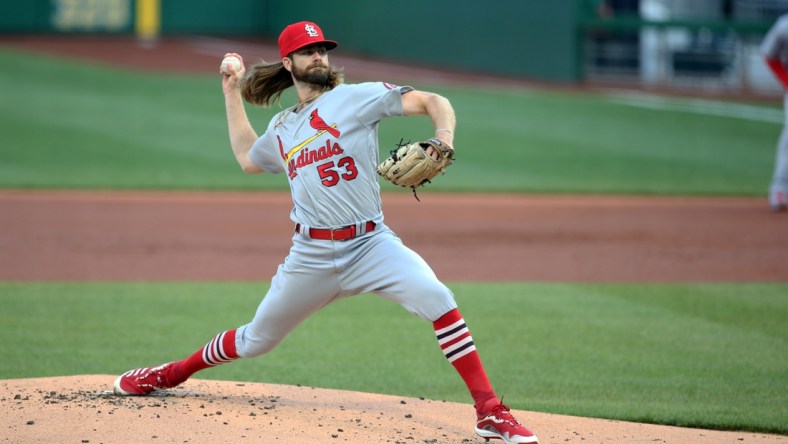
683	45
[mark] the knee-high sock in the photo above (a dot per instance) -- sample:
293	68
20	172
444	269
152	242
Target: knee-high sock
220	350
457	345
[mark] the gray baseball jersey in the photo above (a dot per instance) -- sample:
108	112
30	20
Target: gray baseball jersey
775	44
329	151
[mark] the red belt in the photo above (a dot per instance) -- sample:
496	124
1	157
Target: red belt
338	234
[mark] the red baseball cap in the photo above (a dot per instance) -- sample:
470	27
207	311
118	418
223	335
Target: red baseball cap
301	34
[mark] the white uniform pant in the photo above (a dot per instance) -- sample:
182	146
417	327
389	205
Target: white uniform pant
318	272
780	177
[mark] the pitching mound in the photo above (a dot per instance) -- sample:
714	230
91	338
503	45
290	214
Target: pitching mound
82	409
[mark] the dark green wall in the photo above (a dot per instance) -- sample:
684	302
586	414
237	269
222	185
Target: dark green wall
226	17
530	38
17	16
66	16
522	38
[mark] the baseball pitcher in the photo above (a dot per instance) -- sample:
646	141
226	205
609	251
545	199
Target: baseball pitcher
327	146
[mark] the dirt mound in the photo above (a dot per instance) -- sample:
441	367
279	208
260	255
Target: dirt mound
83	409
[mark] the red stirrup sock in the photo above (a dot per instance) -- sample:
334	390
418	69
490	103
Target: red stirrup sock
456	343
220	350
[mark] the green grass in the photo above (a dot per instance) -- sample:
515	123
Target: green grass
701	355
69	125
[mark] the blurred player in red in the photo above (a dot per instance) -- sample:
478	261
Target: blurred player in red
775	49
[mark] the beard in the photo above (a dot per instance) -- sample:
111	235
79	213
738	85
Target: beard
314	74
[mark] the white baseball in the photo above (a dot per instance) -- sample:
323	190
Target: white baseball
230	60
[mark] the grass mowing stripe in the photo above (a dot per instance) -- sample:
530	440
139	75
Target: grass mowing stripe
698	106
698	355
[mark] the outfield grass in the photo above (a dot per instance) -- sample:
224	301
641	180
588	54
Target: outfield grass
87	126
701	355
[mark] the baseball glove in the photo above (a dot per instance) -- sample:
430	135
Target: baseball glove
409	165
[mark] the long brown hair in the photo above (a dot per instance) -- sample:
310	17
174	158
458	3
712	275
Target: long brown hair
264	82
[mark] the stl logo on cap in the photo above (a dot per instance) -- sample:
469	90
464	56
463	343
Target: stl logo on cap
298	35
